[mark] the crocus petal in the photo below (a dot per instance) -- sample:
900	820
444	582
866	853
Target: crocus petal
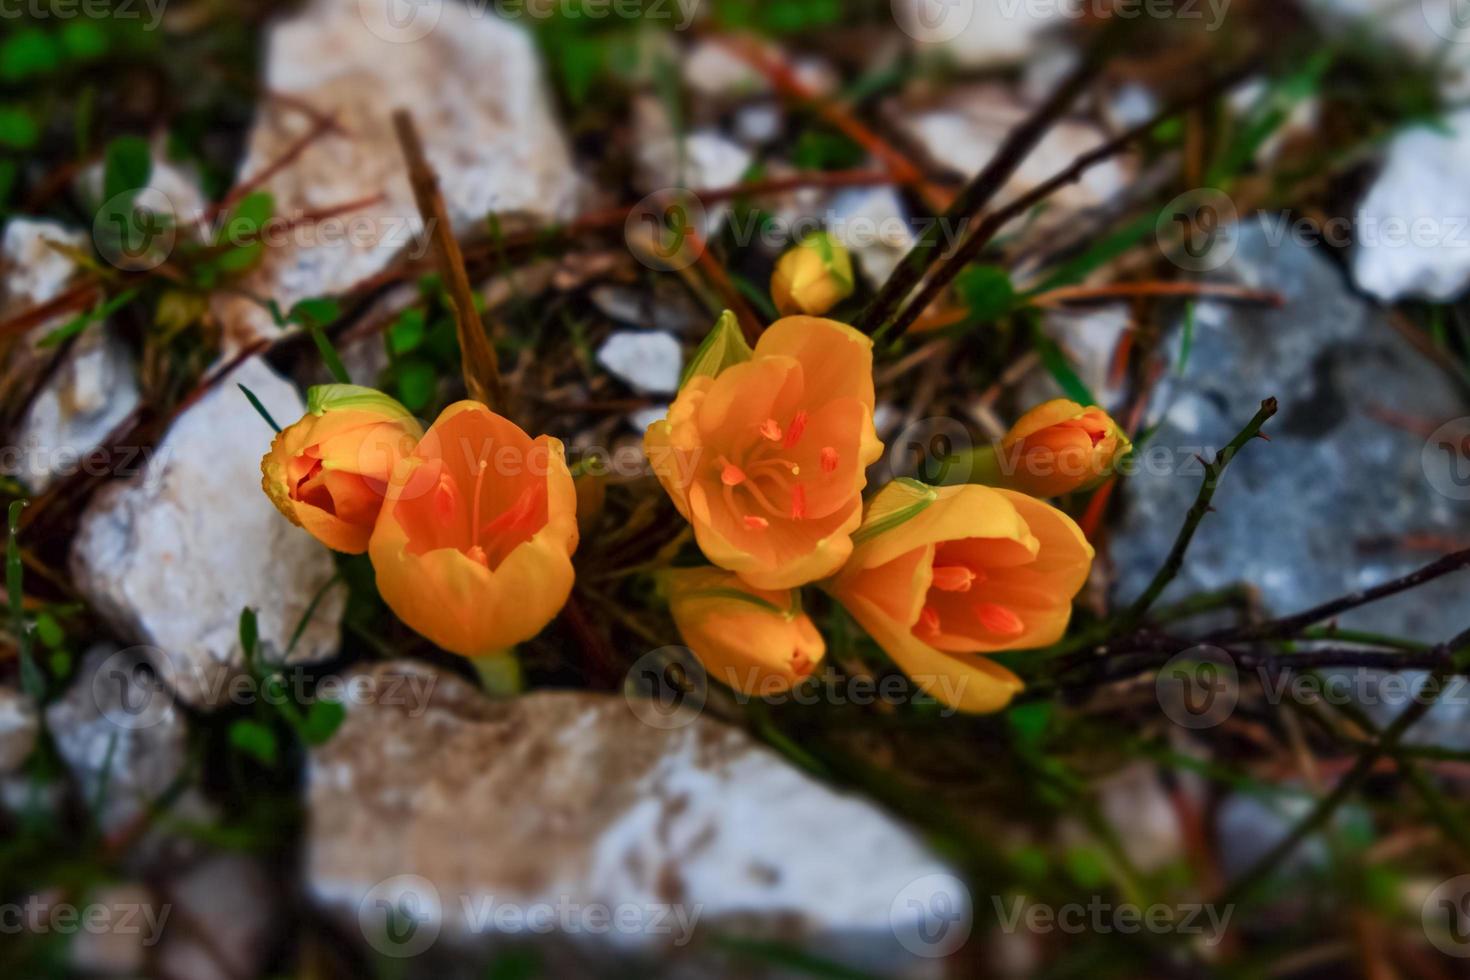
836	360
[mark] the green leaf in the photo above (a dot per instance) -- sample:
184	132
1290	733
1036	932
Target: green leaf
49	631
255	403
83	40
241	259
249	633
724	347
319	312
82	321
417	384
1057	365
17	129
987	291
251	214
28	53
128	167
406	332
1029	722
323	719
910	499
255	740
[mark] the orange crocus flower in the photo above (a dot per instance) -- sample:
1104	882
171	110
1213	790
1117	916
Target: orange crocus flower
473	547
328	472
942	574
1060	446
767	457
758	642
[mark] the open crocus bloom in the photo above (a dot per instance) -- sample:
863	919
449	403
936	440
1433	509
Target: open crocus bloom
767	459
941	574
473	548
1060	446
329	472
757	641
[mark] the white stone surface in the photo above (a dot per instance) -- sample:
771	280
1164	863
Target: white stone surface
17	729
978	33
606	810
875	227
704	159
172	556
650	361
226	930
85	397
475	85
1413	227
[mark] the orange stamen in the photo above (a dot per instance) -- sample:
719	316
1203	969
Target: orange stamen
829	459
953	578
999	619
756	523
798	426
798	502
771	429
929	620
732	475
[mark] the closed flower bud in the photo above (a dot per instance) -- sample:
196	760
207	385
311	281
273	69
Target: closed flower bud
768	457
473	547
756	641
329	472
1059	447
941	575
813	277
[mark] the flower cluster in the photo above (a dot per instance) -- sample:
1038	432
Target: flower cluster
765	452
470	526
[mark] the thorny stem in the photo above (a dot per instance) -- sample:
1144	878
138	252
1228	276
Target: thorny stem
1196	514
479	362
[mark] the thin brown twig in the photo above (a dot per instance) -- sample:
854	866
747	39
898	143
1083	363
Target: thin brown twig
1132	290
480	364
318	129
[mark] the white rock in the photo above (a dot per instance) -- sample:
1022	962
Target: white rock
711	69
1135	803
965	133
123	739
135	919
1413	226
649	361
571	799
874	226
759	124
227	931
17	729
171	557
474	83
85	397
978	33
702	160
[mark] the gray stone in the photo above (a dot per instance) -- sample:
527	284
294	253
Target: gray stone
570	800
172	556
123	739
978	33
1326	506
223	917
649	361
474	83
135	919
17	729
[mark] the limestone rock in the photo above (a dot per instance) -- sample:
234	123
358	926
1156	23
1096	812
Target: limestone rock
650	361
470	805
171	557
978	34
1413	227
474	82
